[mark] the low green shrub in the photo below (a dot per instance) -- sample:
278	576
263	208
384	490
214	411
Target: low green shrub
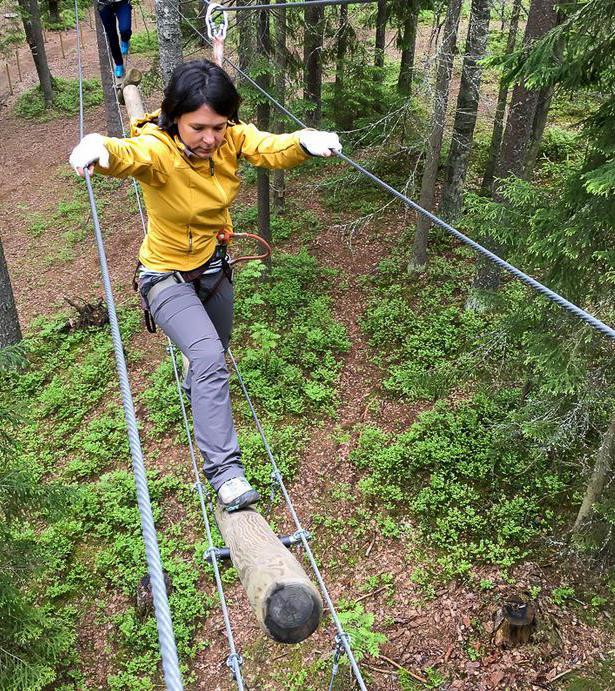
31	104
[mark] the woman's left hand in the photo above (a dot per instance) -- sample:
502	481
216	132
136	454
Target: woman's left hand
319	143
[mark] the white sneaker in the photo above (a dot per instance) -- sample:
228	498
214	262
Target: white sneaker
236	494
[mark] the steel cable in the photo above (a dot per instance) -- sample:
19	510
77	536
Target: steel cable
551	295
166	638
234	660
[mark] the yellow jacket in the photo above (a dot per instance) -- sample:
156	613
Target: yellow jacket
187	198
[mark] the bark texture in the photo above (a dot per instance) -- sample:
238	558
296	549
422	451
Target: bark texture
341	114
408	48
312	60
434	145
500	109
169	37
381	25
467	108
279	178
31	18
263	116
600	474
10	331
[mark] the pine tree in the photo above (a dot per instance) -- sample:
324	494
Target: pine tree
31	18
169	37
467	109
10	331
312	60
434	145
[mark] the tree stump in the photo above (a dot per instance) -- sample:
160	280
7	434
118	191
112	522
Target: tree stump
144	600
514	623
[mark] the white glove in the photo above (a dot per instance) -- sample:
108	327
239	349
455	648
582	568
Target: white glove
89	151
319	143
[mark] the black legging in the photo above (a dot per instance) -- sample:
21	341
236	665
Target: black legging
117	15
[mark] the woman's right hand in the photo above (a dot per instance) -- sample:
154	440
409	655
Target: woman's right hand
89	151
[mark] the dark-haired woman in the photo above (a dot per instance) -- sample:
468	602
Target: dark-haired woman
186	158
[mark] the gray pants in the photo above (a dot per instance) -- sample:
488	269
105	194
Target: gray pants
202	332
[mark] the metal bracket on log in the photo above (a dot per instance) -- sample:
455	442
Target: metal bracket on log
287	604
286	540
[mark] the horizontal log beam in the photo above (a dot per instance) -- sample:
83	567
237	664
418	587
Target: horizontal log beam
287	604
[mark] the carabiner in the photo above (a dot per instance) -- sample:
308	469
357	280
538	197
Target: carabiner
223	236
216	29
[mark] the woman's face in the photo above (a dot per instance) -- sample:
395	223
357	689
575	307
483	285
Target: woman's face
202	130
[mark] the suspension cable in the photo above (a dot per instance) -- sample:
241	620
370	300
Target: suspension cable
551	295
234	659
166	638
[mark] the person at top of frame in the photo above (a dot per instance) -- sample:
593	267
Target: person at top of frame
117	15
186	158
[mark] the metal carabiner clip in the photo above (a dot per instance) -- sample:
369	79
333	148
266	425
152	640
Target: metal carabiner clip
216	29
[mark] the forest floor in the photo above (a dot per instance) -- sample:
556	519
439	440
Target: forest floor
443	639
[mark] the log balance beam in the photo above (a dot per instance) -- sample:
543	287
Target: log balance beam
287	604
129	94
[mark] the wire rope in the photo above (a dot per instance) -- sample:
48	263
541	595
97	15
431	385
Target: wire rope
234	660
551	295
166	638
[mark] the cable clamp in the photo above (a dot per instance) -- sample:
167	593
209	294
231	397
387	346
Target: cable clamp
298	535
216	29
211	553
234	662
339	640
198	485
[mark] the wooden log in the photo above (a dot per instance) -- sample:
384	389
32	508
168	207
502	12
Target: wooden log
130	95
287	605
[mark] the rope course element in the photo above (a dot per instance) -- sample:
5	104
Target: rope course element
283	6
166	638
212	554
551	295
342	638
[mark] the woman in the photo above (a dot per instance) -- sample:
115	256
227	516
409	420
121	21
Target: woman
117	15
186	159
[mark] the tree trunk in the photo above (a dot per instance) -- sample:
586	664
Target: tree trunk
381	25
538	129
312	59
169	37
444	70
467	107
279	179
263	113
31	18
54	11
10	331
114	124
408	47
542	18
500	109
342	119
245	22
600	474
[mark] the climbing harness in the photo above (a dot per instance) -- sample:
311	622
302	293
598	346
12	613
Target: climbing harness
220	257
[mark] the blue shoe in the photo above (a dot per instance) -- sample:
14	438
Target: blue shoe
124	47
119	71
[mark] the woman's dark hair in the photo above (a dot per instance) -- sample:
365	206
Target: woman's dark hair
197	83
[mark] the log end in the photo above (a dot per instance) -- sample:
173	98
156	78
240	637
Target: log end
292	612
